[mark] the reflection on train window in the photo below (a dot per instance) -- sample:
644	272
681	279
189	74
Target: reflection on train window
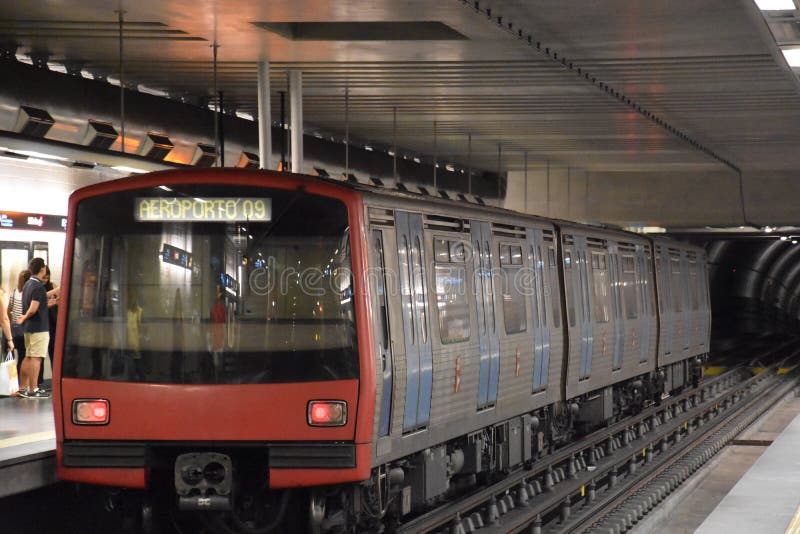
676	283
490	316
203	302
513	288
629	287
451	291
694	285
553	289
602	298
568	287
380	285
419	287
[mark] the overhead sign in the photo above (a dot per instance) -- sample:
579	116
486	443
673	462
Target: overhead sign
32	221
176	256
214	209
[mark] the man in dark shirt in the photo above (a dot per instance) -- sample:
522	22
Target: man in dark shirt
35	321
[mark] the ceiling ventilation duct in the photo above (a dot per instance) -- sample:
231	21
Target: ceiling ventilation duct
156	146
204	155
34	122
247	160
99	134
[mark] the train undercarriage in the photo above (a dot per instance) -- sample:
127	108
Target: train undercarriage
226	491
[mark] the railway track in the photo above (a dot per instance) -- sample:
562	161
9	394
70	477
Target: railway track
609	479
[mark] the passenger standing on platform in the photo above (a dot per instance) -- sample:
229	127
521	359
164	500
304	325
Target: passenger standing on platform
14	311
52	317
35	319
5	324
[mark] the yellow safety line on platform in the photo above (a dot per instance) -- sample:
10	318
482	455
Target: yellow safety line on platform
783	370
794	526
27	438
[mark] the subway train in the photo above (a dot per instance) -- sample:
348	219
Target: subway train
264	351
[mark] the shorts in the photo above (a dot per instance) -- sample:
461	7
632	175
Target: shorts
36	344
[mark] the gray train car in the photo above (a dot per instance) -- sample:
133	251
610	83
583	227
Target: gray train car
612	330
684	310
500	335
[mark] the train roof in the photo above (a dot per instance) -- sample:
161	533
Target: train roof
406	195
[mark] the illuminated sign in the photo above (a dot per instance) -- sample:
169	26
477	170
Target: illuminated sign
32	221
176	256
185	209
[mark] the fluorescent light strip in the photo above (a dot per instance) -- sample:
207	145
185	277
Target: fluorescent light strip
792	56
775	5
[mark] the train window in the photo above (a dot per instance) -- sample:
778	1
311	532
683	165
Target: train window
479	276
694	289
380	285
505	254
451	294
441	250
629	287
215	302
457	251
514	314
568	289
516	255
551	290
419	287
541	283
602	295
491	322
676	283
408	298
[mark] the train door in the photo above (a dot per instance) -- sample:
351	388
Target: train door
489	371
583	309
541	331
382	332
616	305
414	292
645	303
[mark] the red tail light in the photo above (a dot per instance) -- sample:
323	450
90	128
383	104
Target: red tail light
90	411
327	413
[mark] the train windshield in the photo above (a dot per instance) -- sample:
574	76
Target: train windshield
211	284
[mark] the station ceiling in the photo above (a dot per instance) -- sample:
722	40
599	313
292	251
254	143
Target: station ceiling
612	85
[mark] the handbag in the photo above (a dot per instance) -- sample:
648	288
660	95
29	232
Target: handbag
9	381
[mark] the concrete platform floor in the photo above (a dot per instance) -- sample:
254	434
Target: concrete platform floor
687	508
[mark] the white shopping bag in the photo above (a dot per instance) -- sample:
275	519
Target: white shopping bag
9	382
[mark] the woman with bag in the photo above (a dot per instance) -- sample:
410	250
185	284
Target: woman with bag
9	381
14	311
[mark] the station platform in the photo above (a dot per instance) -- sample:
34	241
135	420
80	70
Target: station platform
767	498
27	445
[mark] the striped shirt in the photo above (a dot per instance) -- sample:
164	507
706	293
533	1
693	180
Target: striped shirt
16	304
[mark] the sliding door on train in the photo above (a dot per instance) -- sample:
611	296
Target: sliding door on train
414	294
541	330
489	372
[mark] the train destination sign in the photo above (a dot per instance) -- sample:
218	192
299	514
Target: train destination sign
213	209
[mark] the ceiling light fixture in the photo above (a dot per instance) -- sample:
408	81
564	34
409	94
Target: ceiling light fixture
775	5
792	56
768	229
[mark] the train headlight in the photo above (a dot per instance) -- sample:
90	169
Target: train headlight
327	413
90	411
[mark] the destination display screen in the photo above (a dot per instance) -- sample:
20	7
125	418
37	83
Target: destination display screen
213	209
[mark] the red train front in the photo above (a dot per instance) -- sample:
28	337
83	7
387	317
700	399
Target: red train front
213	345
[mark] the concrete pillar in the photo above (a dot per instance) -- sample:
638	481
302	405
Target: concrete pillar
264	117
296	118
